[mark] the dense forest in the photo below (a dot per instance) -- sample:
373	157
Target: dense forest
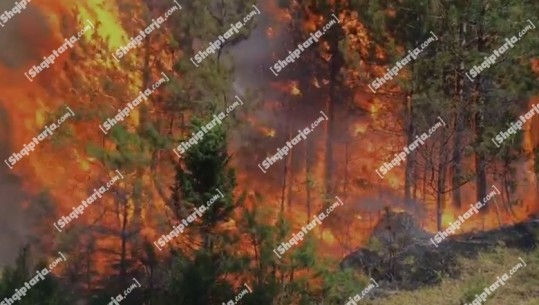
272	152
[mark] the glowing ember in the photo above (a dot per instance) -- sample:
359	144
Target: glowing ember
270	33
268	132
360	128
295	90
315	83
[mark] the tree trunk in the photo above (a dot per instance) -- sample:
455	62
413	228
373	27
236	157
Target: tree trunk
123	253
459	124
290	179
335	64
480	161
308	176
409	171
440	193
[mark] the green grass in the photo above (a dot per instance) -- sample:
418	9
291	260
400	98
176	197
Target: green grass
521	289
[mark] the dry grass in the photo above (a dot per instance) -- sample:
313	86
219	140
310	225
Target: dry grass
521	289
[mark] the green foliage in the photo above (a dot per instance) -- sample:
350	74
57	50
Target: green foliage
206	172
476	288
46	291
339	285
200	277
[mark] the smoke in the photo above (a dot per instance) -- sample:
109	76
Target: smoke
252	59
276	110
14	219
23	36
253	56
388	198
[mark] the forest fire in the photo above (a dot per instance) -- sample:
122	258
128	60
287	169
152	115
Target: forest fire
63	163
339	158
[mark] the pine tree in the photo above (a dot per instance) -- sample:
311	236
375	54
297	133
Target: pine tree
47	291
436	83
197	277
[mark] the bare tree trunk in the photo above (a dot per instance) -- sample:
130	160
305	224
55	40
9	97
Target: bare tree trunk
335	64
415	183
329	147
440	194
459	124
506	188
424	187
308	176
286	164
289	159
498	213
409	172
346	160
480	161
89	251
123	253
283	189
